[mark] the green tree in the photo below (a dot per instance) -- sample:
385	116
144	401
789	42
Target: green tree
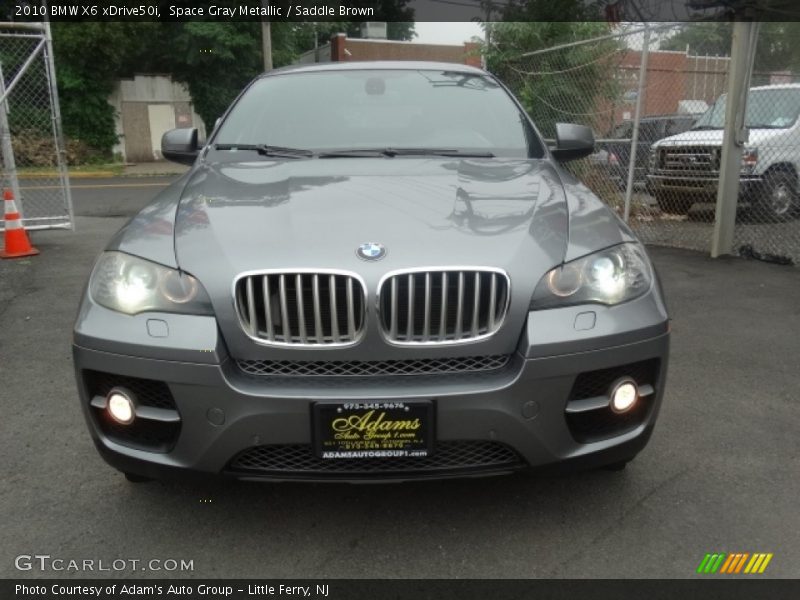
572	85
215	59
85	81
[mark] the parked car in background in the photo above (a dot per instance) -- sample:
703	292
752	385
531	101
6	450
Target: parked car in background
684	169
614	153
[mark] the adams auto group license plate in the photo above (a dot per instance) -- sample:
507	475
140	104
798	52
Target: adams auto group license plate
373	429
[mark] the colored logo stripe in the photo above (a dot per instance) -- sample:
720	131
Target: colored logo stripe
737	562
734	562
727	564
758	563
710	563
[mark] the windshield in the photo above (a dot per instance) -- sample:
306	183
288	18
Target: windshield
369	109
766	109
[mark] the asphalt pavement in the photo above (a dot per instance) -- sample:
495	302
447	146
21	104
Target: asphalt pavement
719	475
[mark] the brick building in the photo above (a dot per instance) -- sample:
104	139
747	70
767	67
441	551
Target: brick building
342	48
677	79
672	78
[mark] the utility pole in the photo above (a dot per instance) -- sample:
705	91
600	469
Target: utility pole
743	50
637	116
488	29
266	37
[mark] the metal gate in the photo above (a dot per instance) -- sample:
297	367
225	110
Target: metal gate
32	150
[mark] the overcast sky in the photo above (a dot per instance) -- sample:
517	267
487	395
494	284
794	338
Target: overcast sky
446	33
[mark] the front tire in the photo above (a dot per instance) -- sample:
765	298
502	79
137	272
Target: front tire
778	199
133	478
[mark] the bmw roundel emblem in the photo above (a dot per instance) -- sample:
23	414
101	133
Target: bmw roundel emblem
371	251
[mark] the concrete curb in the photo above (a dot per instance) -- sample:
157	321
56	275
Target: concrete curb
75	175
99	174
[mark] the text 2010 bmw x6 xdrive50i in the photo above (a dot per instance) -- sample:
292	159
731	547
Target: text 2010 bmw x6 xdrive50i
372	271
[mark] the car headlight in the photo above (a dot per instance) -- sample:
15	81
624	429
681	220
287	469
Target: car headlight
651	158
610	277
132	285
749	160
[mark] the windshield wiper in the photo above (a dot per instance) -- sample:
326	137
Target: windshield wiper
704	128
267	150
392	152
764	126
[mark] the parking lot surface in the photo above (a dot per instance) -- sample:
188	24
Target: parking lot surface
719	475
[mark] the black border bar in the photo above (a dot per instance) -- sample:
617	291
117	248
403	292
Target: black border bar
709	587
612	11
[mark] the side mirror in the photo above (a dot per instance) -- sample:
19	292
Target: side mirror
572	141
180	145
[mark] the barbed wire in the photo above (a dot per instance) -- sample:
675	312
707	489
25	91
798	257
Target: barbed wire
569	69
574	114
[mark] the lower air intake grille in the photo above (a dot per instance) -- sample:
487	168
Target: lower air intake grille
148	391
597	383
603	423
356	368
300	460
143	433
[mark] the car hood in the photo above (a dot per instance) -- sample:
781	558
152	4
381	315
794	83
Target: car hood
245	216
315	213
713	137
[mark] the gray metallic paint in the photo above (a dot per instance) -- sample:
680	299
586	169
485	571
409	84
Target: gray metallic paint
151	233
486	407
237	212
238	217
245	216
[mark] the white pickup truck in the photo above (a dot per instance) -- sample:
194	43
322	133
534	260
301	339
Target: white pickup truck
684	168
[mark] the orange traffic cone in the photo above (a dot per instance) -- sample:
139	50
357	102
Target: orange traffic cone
17	243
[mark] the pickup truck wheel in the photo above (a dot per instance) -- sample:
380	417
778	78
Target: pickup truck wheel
778	198
672	204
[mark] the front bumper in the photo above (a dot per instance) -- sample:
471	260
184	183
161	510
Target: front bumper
520	407
749	185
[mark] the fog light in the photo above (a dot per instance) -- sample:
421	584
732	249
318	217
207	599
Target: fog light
624	394
120	407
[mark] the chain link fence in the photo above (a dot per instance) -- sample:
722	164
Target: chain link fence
658	116
768	212
32	151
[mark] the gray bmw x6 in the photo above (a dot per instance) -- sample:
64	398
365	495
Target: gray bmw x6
372	271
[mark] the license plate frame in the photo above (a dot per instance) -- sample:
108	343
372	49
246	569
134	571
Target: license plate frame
355	429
